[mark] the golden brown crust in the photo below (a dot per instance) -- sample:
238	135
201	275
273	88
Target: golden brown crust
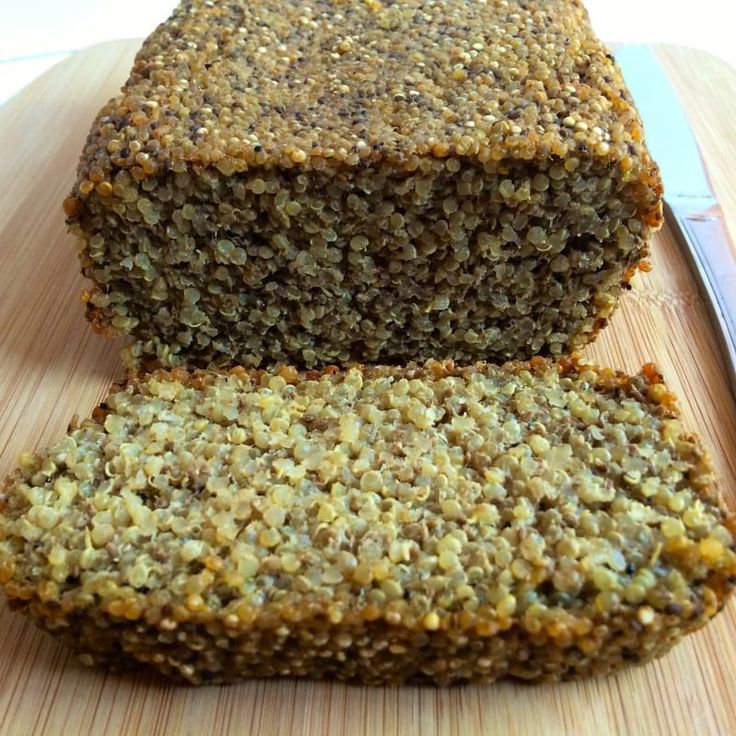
326	183
381	82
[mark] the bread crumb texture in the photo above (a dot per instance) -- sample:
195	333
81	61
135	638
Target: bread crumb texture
541	521
282	181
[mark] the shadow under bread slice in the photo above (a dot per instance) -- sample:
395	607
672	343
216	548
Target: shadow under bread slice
538	520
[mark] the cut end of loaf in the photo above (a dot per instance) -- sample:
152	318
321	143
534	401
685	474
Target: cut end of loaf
374	184
537	520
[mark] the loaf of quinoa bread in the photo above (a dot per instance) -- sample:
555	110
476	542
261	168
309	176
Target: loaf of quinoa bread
535	520
328	182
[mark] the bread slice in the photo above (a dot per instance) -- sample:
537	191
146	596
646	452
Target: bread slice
328	183
540	521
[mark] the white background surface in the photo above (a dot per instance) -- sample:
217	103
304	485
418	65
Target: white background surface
36	34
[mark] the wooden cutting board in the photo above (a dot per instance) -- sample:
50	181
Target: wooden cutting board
52	366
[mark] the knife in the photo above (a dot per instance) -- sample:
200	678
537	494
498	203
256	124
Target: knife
691	208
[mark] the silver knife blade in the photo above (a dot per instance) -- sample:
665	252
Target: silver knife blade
690	205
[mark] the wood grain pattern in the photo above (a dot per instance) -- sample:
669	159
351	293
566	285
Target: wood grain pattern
52	366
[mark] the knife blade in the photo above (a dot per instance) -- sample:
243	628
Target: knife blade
691	208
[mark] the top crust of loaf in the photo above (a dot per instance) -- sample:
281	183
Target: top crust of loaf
284	83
